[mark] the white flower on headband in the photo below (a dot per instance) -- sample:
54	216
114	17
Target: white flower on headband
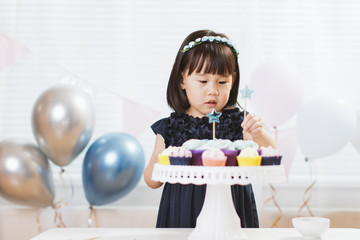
216	39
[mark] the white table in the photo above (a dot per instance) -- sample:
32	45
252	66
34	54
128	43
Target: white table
183	233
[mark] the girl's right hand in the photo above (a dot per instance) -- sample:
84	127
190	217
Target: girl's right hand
254	129
253	125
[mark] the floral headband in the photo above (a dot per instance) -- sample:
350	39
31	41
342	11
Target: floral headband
216	39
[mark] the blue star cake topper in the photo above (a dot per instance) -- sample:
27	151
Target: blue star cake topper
246	92
214	116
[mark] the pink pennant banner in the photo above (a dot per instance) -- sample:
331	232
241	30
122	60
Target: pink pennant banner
137	118
10	51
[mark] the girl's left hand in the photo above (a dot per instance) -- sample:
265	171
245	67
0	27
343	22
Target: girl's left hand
253	125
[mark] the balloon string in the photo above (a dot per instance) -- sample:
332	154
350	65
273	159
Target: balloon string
92	216
65	188
273	191
38	222
71	187
308	192
62	202
276	134
272	198
58	217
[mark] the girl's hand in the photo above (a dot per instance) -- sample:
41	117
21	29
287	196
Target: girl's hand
253	125
254	130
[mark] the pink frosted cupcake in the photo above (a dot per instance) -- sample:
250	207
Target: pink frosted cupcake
213	157
270	156
228	149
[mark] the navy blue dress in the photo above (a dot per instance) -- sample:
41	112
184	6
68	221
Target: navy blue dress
181	204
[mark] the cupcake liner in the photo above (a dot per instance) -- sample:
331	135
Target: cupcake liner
212	162
249	161
180	160
196	157
231	157
275	160
164	159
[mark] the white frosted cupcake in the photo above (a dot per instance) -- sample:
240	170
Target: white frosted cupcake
180	156
270	156
249	157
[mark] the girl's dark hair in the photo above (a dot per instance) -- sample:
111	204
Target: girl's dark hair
219	59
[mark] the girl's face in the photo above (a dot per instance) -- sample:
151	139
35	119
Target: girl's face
206	91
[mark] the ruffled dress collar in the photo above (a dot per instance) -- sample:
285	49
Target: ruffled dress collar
182	127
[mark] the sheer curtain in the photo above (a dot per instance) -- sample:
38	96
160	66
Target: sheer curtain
124	50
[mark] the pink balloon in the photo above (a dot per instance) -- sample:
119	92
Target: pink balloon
278	92
286	142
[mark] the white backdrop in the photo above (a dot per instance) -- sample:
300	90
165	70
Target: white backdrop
123	52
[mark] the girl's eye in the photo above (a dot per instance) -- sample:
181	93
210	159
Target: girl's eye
222	82
202	81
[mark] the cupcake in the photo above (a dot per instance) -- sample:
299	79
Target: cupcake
270	156
213	157
228	149
164	156
179	156
197	147
231	155
249	157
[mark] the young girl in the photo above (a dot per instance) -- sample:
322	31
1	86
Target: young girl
205	75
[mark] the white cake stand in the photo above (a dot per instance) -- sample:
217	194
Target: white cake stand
218	219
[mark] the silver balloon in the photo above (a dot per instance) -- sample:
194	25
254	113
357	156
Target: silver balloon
25	177
63	122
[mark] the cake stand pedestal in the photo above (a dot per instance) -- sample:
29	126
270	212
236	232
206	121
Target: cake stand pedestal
218	219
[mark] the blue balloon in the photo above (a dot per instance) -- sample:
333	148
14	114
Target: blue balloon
112	167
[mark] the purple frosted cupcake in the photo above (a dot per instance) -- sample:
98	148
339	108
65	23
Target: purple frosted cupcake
197	157
231	157
197	147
